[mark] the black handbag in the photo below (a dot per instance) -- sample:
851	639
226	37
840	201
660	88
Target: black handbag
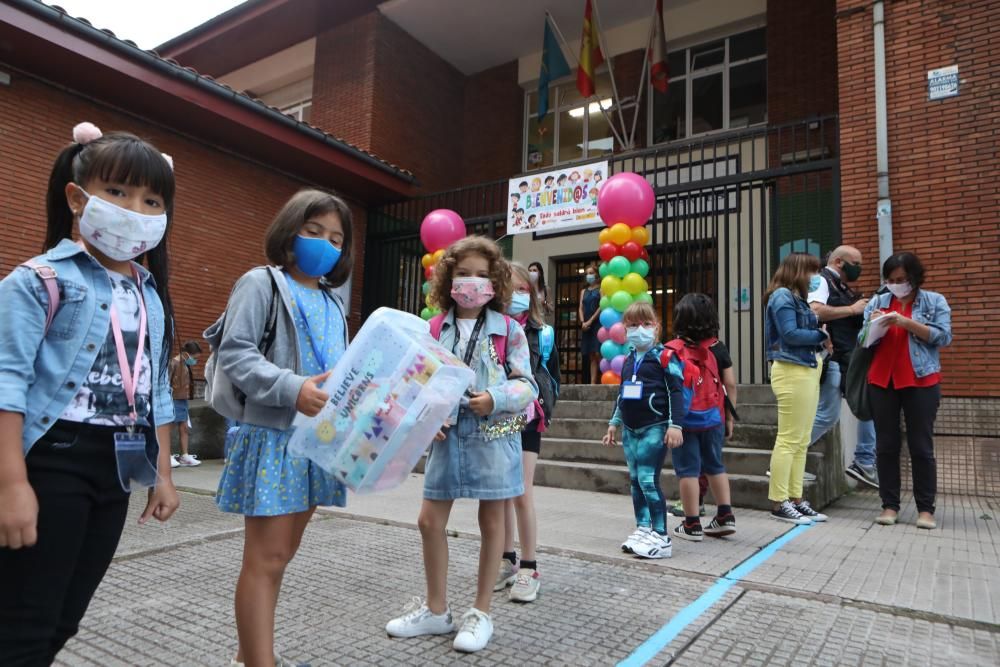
856	385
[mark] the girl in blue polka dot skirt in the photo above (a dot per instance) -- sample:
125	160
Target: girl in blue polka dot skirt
282	333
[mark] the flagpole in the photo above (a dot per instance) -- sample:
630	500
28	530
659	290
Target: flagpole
611	66
642	75
586	110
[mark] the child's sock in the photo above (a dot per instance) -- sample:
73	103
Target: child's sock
511	556
725	510
692	520
528	565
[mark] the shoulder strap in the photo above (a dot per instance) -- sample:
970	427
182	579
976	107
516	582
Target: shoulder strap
500	342
270	330
437	323
546	342
48	277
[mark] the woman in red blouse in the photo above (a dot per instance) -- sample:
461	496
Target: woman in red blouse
905	374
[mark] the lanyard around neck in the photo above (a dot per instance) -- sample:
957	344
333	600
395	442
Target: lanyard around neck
473	339
130	376
320	357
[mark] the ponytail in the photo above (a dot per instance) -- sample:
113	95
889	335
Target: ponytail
60	217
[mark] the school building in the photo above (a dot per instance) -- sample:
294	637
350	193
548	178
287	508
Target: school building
766	139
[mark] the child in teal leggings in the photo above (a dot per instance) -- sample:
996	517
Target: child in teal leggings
650	406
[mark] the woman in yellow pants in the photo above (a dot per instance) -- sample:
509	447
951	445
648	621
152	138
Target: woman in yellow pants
794	342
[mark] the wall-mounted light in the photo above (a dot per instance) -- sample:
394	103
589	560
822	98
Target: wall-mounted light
592	108
4	79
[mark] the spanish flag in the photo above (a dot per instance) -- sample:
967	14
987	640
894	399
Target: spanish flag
659	73
590	54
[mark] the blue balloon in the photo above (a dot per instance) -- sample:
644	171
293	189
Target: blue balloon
609	349
609	317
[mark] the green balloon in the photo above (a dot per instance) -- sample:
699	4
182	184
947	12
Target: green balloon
602	270
427	287
645	297
427	313
621	300
641	267
619	266
605	302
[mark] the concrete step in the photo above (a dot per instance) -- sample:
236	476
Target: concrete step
748	393
758	413
750	413
755	436
738	460
746	490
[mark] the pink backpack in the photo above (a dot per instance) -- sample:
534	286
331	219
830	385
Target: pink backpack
48	277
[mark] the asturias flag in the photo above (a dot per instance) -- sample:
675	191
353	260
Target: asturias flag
659	73
554	66
590	54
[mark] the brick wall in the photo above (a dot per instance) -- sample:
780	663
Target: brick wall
943	159
801	59
344	80
493	125
223	205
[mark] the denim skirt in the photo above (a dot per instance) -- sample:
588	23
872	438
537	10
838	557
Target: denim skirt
466	465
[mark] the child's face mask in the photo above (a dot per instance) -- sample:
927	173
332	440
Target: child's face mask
471	292
117	232
641	337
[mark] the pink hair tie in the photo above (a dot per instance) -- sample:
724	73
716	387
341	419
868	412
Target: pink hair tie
170	160
84	133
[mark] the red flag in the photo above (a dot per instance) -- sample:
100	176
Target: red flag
659	71
590	54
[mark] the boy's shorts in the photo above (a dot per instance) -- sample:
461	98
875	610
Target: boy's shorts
700	453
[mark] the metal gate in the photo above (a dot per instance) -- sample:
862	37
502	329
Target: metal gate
729	207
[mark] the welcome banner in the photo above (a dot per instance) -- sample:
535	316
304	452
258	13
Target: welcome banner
556	201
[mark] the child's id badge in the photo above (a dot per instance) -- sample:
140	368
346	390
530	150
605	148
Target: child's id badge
133	463
631	390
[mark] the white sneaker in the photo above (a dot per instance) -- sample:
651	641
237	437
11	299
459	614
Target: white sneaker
628	545
526	585
477	628
188	461
417	620
806	510
174	464
505	575
653	545
787	512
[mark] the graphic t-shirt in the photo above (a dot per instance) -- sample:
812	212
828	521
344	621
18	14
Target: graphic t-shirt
101	397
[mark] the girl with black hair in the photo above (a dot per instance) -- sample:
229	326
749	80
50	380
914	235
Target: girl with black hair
84	398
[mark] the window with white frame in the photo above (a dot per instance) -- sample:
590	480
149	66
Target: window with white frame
574	128
300	110
718	85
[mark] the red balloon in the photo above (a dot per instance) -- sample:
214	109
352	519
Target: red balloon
610	377
608	251
429	273
644	254
632	251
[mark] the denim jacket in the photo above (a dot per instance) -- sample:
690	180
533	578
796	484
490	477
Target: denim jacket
929	308
791	329
513	389
40	374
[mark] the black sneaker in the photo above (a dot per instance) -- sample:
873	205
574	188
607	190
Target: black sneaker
693	533
864	475
787	512
806	510
721	526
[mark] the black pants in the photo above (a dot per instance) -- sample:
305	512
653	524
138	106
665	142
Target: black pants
919	406
45	589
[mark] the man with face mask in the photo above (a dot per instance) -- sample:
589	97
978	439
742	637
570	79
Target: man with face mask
182	384
842	309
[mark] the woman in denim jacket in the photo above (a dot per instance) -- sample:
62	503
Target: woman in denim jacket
794	341
905	374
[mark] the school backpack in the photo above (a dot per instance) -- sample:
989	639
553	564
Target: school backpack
546	344
220	392
48	277
705	400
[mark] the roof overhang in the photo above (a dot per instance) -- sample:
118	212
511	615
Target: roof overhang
47	43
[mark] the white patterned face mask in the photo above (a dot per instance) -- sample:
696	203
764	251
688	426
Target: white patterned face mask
118	233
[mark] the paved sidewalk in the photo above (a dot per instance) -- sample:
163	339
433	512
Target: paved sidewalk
845	593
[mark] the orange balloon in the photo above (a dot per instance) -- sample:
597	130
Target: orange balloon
610	377
620	234
439	254
640	235
427	260
604	236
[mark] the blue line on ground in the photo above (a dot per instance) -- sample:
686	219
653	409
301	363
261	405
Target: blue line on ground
689	614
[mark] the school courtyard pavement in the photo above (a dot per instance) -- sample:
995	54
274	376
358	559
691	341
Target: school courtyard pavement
844	593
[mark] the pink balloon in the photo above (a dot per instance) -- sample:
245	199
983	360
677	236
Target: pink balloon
617	334
617	363
605	365
626	197
440	228
602	334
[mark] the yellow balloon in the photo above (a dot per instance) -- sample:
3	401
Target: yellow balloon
640	235
620	234
604	236
437	256
633	283
610	285
427	260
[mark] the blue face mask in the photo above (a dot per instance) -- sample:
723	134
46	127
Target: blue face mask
315	257
191	361
519	303
814	282
641	338
591	278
